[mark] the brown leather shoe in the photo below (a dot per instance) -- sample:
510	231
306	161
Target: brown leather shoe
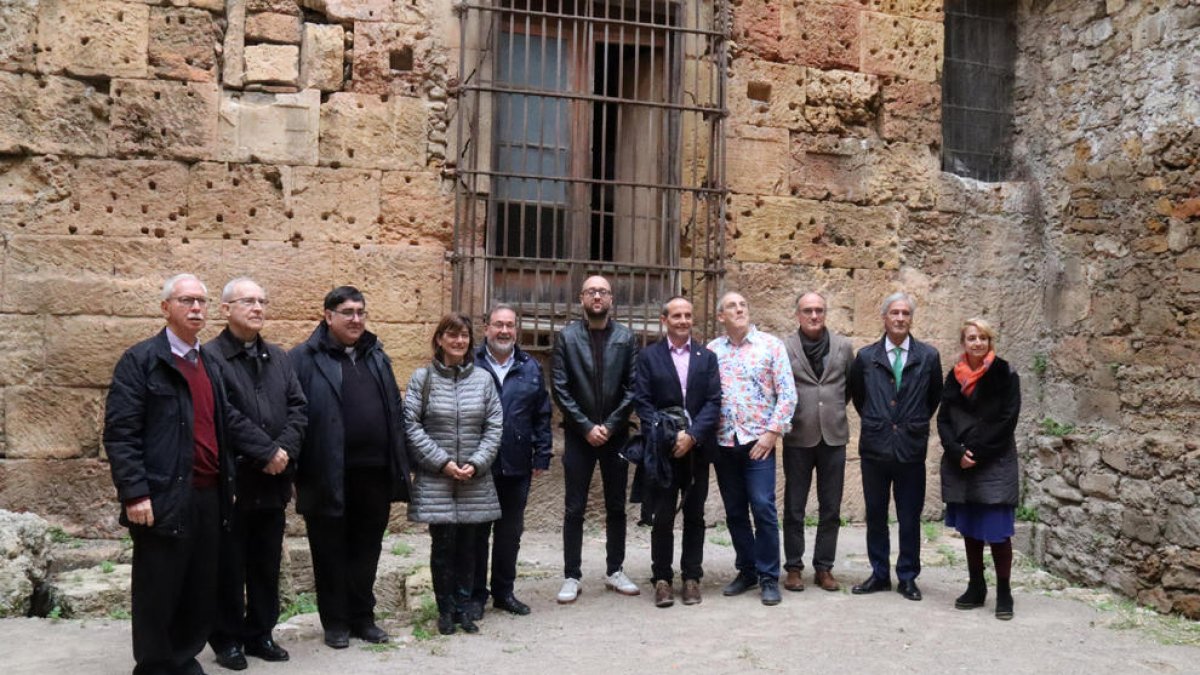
691	592
664	595
794	581
824	579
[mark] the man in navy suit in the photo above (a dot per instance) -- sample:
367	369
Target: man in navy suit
677	372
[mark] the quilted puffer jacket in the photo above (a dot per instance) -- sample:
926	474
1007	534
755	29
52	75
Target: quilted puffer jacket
456	417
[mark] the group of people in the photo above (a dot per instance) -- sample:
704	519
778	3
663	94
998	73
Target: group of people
205	443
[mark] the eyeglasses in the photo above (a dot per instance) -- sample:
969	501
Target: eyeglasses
596	292
188	301
351	313
250	302
502	325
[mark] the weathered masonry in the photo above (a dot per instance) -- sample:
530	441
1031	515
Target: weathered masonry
1032	161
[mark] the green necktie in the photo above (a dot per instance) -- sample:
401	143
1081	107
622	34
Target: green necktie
897	367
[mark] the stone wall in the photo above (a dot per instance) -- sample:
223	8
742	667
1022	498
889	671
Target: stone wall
1109	132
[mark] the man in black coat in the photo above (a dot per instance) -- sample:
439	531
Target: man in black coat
524	453
896	386
262	386
352	465
592	382
165	427
678	372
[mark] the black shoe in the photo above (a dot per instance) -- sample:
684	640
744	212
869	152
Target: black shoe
908	589
338	638
266	649
740	584
872	584
511	604
369	632
974	597
445	623
770	592
231	657
474	610
1004	601
463	619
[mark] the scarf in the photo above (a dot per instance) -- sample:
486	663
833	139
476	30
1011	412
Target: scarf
967	378
816	351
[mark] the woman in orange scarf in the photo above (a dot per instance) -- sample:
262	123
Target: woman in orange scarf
980	479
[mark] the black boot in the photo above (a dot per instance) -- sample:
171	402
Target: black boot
1004	600
445	622
975	595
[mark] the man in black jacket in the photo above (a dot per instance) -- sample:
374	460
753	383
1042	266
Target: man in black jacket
896	386
524	453
165	424
262	386
592	380
352	464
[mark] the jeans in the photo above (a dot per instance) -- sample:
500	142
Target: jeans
906	482
748	488
579	464
798	466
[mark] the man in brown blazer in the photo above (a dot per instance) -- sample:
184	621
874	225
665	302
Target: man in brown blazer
820	362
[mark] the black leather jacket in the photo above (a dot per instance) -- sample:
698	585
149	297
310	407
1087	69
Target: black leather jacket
573	376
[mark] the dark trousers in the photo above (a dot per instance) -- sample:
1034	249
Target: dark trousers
691	472
345	550
452	564
513	492
829	462
748	489
905	482
174	590
248	578
579	464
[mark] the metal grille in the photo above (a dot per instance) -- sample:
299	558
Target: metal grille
981	50
589	140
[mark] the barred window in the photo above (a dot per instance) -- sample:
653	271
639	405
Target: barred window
589	140
977	88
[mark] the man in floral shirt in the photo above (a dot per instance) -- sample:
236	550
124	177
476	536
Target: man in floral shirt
758	397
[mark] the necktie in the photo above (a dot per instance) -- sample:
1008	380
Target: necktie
897	367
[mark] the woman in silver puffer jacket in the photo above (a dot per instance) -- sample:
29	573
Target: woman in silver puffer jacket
453	418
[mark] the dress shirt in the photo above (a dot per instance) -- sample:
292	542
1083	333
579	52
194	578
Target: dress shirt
501	369
758	392
681	356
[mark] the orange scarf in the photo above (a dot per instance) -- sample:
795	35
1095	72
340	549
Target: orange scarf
967	378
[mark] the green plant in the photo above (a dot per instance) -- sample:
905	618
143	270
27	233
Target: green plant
948	553
107	566
303	603
402	548
422	618
59	535
119	613
55	613
1027	514
1039	364
1052	427
381	647
720	539
810	520
931	530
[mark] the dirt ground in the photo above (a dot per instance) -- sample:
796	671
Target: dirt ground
1056	629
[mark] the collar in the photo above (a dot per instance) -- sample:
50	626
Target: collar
231	347
178	346
749	336
904	346
687	347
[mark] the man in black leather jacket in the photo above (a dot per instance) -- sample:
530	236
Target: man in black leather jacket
592	383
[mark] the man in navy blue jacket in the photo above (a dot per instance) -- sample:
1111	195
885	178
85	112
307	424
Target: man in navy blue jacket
896	386
678	372
524	453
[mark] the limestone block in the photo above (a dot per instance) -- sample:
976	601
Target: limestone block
912	111
901	46
391	58
233	73
217	6
1183	527
31	188
14	130
277	6
404	11
766	94
77	491
52	422
838	99
322	54
64	116
183	44
120	197
416	206
417	588
296	279
164	118
273	27
757	160
92	38
81	351
22	352
373	132
808	232
24	560
340	205
929	10
270	128
237	201
821	34
401	283
1101	485
85	275
825	166
758	28
18	33
903	172
272	64
407	344
92	591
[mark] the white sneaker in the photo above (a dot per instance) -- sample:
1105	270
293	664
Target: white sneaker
569	591
620	583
